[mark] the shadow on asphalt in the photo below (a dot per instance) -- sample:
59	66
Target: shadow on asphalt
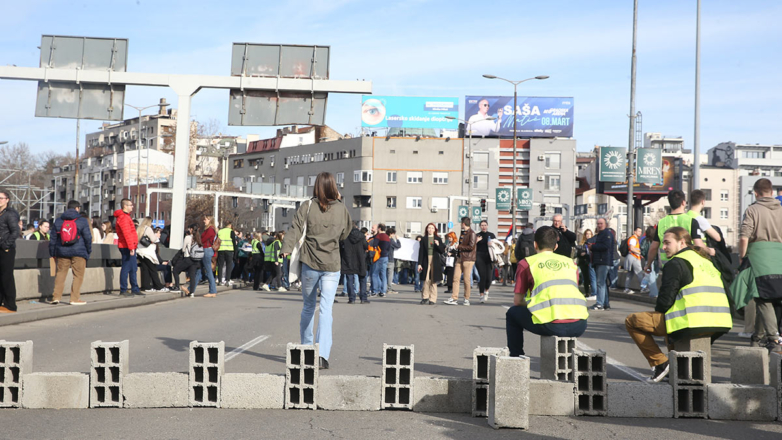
182	345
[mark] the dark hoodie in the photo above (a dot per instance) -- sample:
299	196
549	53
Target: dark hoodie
82	247
525	245
353	252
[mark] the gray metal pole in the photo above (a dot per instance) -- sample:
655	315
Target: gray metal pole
696	168
138	165
469	172
513	174
631	143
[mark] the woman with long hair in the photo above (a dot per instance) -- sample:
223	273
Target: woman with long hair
324	222
430	263
97	230
451	242
692	302
186	263
109	237
147	258
582	256
208	239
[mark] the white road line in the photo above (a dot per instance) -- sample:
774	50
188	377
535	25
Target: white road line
613	362
245	347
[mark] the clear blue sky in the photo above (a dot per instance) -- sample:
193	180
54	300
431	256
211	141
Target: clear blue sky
439	48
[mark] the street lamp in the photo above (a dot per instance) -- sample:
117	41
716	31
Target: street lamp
138	147
469	154
513	196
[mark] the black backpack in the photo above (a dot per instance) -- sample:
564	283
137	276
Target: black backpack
623	249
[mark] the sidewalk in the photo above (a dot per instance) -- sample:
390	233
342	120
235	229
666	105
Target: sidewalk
34	310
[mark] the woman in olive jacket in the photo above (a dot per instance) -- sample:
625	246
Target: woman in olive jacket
430	263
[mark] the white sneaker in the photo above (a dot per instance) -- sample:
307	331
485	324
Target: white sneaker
483	298
450	302
77	303
466	302
494	282
165	289
628	292
282	289
592	298
265	287
192	295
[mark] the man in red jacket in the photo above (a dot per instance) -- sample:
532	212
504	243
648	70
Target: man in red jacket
128	242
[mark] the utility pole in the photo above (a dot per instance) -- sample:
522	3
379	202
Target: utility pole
76	176
696	168
631	146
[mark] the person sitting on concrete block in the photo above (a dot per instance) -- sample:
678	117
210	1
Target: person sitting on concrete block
553	305
692	302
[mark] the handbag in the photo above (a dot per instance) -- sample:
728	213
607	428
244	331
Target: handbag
144	240
294	271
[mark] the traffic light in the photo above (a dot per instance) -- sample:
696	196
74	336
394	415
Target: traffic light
542	209
483	205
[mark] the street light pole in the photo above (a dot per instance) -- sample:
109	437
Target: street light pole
631	142
696	168
513	174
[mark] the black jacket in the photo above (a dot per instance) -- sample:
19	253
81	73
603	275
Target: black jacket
353	251
603	249
9	228
567	239
525	245
437	260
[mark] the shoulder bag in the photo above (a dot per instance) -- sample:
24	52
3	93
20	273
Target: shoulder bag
144	240
294	270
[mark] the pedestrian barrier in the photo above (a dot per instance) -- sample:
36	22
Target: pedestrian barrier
398	367
504	380
697	344
480	378
556	358
749	365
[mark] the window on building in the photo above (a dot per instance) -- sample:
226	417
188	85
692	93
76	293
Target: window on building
390	176
723	213
707	192
362	201
414	202
413	228
440	178
623	209
480	182
440	203
390	225
362	176
311	180
239	163
300	181
480	160
552	182
415	177
271	160
552	161
340	178
286	185
753	154
391	202
442	228
706	213
724	195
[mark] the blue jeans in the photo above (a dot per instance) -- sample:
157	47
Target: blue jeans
519	318
593	280
418	285
613	273
310	280
476	277
286	264
129	270
351	286
602	285
206	263
380	275
362	291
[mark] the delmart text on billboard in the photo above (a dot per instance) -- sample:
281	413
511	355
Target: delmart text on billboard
536	117
409	111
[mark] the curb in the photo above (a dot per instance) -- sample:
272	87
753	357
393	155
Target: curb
98	306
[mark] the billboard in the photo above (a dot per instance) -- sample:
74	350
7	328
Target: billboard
648	166
502	199
409	111
523	199
671	179
612	164
535	116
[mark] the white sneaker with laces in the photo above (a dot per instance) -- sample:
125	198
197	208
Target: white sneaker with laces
466	302
592	298
165	289
282	289
483	298
450	302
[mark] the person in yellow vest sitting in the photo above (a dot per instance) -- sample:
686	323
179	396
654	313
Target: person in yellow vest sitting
226	254
548	284
692	302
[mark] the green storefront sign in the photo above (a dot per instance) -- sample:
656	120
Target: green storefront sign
502	199
648	168
523	199
476	214
613	164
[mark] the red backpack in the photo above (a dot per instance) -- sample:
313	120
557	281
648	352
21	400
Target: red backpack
69	233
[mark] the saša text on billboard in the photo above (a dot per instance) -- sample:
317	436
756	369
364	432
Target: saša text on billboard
536	117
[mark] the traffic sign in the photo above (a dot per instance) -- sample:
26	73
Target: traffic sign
450	225
523	199
503	199
463	212
476	214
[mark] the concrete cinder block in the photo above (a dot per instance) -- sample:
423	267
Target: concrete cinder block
441	395
690	401
253	391
556	360
775	368
349	393
108	367
590	382
689	368
480	399
207	364
749	365
509	392
56	390
16	360
301	376
156	390
550	398
695	345
639	399
480	361
398	377
729	401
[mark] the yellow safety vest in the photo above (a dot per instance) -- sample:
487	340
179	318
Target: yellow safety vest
670	221
269	256
555	295
226	244
703	302
256	249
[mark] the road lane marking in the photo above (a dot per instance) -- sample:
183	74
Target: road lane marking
245	347
613	362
